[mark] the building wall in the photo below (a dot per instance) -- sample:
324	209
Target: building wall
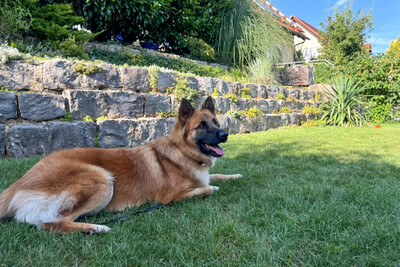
309	48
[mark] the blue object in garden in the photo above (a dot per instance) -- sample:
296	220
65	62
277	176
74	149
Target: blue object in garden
149	45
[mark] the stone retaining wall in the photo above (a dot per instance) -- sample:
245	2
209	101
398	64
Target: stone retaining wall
31	123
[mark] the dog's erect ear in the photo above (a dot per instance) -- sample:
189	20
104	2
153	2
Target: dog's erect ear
186	111
209	104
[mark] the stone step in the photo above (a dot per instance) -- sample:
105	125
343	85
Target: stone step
119	104
32	139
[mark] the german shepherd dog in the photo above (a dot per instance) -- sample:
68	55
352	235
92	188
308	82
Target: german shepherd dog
70	183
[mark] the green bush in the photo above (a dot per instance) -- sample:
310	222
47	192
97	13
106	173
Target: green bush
246	92
280	96
379	110
15	19
182	90
285	110
87	69
181	65
199	49
344	105
232	97
311	110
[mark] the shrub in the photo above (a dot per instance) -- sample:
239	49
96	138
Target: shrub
285	110
280	96
232	97
8	53
344	105
311	110
200	50
379	110
182	90
253	112
87	69
215	93
15	19
313	122
168	114
246	92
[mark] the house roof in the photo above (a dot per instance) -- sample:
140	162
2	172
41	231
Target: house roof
280	18
314	31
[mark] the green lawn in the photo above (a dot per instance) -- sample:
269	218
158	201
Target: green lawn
310	196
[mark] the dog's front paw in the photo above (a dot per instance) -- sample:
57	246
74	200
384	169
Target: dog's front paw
215	188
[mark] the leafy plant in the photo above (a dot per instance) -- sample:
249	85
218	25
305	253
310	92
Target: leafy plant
88	118
68	117
344	105
215	93
344	34
15	19
153	74
234	113
246	92
313	122
87	69
232	97
168	114
8	53
280	96
379	110
182	90
253	112
285	110
200	50
311	110
292	99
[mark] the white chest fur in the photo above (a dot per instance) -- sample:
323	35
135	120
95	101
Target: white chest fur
203	175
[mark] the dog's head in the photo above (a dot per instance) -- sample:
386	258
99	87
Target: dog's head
201	128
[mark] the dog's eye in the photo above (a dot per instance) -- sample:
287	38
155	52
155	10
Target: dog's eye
202	125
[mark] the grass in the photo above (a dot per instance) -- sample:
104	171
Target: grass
320	196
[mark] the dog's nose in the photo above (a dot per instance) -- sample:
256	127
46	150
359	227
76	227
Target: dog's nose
223	136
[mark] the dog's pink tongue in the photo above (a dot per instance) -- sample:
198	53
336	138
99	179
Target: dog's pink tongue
217	149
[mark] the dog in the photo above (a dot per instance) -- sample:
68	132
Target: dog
70	183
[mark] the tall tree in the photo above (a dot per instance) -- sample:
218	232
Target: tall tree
345	33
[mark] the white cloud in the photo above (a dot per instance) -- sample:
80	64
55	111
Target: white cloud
338	3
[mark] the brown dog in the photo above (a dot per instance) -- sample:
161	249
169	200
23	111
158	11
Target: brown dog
70	183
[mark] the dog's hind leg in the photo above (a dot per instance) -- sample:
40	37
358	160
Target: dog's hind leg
224	177
54	206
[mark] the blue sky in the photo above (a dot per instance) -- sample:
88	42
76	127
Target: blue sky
386	16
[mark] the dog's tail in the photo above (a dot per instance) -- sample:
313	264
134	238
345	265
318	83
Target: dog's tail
5	198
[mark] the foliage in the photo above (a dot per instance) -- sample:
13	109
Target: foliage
87	69
232	97
8	53
280	96
292	99
215	93
394	49
15	19
181	65
245	92
235	113
379	109
154	70
168	114
285	110
344	105
88	118
182	90
253	112
344	34
68	117
199	49
71	48
311	110
165	22
313	122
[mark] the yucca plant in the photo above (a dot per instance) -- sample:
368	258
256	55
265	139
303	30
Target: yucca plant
344	105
